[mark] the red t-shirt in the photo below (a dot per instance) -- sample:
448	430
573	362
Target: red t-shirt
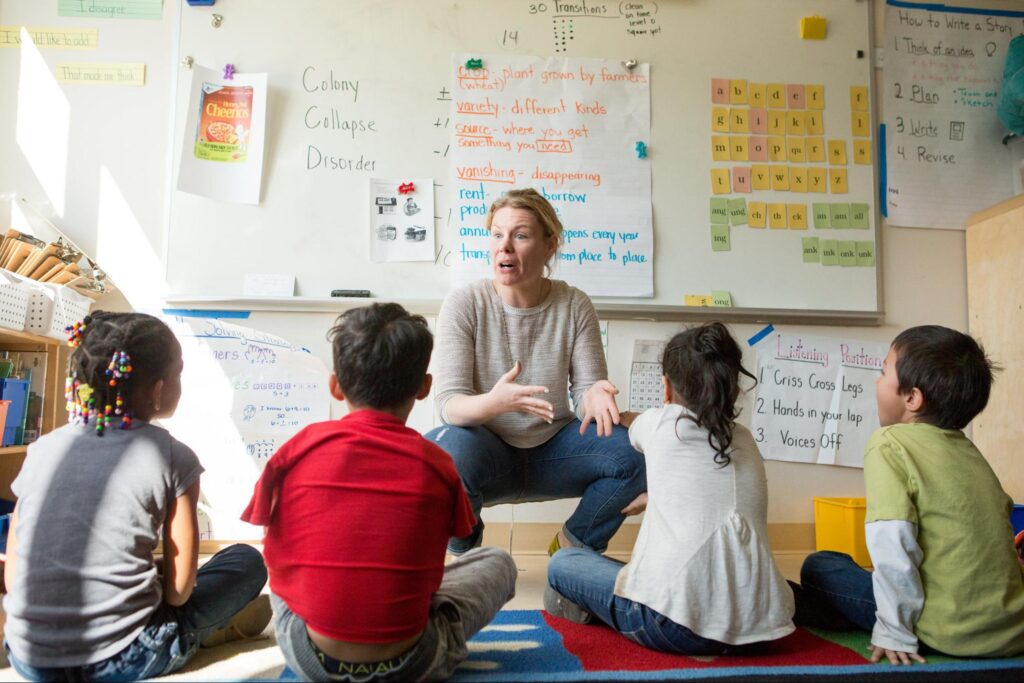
358	513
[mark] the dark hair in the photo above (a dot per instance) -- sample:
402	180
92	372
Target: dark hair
949	368
703	366
381	353
152	348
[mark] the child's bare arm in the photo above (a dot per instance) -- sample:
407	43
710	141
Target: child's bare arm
181	547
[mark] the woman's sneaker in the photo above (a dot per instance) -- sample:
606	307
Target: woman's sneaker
558	605
250	622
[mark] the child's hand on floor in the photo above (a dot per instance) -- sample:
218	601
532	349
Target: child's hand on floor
894	656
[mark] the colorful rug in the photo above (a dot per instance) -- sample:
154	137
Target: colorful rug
530	645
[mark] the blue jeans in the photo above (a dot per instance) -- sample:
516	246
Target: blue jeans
835	593
224	585
588	579
607	472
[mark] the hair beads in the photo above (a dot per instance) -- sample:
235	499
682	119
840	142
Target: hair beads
75	331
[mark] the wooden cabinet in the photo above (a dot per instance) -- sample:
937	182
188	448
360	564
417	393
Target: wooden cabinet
995	311
53	415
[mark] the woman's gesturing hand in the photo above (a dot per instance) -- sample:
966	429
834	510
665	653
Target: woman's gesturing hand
507	396
599	406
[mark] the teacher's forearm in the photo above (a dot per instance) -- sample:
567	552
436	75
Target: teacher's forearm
470	411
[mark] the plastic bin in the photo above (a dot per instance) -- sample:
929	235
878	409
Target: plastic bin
51	308
14	297
1017	518
15	391
839	526
4	406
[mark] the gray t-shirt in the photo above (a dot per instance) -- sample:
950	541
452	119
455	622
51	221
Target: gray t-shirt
479	339
90	513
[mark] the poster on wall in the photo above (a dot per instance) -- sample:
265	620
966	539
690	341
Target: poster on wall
244	393
222	146
401	220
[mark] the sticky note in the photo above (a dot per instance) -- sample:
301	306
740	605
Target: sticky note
94	73
720	147
822	216
865	253
758	148
738	148
738	91
813	28
829	253
720	90
720	238
861	151
815	96
837	152
738	211
721	298
738	122
810	249
816	179
795	149
859	97
697	300
777	148
755	94
719	211
760	177
859	216
756	214
720	119
815	126
859	124
797	214
776	122
51	37
720	181
795	96
837	181
847	252
775	94
780	178
741	179
840	215
758	120
798	180
777	216
796	123
815	149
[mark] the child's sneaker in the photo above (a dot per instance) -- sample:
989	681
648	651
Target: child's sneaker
557	605
248	623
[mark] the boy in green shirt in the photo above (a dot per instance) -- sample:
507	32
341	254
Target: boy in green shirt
946	575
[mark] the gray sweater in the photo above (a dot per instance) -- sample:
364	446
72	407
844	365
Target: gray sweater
479	339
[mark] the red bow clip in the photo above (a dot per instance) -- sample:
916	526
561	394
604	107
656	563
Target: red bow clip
406	188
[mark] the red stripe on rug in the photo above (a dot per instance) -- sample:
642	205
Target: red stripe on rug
599	648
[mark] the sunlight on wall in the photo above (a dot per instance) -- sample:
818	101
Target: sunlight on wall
124	251
43	123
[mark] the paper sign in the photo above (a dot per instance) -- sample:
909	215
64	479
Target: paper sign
401	223
829	253
859	216
89	73
720	238
721	299
268	285
810	249
738	211
719	211
53	38
698	300
645	386
110	9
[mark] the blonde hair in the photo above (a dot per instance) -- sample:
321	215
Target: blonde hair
530	200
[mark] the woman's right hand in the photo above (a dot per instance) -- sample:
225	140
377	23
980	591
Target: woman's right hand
506	396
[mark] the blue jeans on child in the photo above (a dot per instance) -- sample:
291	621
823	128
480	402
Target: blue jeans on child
835	593
606	471
588	580
224	585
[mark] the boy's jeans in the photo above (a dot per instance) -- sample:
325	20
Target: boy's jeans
474	588
606	471
224	585
835	593
588	579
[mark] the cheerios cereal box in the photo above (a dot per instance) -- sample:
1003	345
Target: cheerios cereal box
225	117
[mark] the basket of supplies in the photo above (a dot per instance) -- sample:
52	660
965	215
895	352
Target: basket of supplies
52	308
839	526
15	293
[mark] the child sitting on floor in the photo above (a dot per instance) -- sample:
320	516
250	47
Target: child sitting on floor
702	580
87	601
358	514
946	576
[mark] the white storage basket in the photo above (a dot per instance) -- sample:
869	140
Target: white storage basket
51	308
14	299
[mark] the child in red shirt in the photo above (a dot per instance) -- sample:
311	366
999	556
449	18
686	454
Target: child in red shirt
358	512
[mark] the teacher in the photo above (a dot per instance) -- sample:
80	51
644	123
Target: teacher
511	349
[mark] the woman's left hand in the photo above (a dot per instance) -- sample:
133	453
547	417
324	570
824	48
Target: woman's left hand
599	407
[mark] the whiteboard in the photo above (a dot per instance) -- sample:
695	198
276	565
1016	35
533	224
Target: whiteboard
390	63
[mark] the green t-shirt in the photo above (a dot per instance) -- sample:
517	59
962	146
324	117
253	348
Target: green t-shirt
973	583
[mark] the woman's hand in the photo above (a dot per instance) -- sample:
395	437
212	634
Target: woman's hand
506	396
599	407
894	656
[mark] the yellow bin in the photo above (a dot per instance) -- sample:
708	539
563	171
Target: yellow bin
839	526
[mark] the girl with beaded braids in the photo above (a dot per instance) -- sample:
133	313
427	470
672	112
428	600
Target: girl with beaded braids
702	580
87	600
